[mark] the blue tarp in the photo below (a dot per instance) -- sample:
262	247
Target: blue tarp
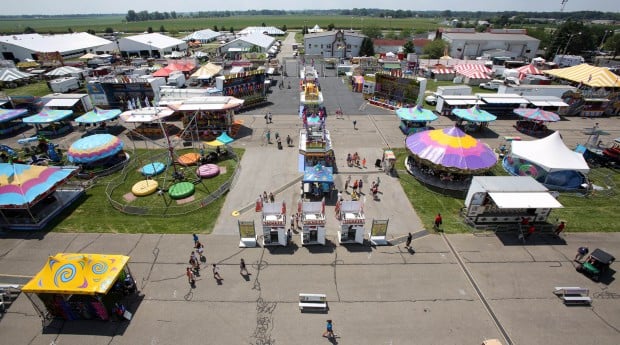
319	173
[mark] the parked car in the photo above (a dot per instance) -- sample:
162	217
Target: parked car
431	99
492	85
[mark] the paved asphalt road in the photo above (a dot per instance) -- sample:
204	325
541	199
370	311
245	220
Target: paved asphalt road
452	289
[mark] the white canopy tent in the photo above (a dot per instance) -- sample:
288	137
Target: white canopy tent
525	200
550	153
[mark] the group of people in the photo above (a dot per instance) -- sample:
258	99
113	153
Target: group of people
264	198
357	186
354	160
531	228
197	257
289	140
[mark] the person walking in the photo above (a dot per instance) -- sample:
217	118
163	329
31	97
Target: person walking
355	186
355	124
243	268
364	163
272	197
297	216
438	221
268	136
581	252
560	228
360	184
346	183
195	239
191	279
267	118
270	118
216	273
530	231
200	248
408	243
329	329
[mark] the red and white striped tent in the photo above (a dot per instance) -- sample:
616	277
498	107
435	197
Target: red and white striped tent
473	77
527	70
475	67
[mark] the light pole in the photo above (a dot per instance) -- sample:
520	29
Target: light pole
568	42
603	40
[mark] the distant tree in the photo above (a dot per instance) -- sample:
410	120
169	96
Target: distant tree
173	15
284	28
70	30
162	29
215	28
149	29
232	30
408	47
131	16
109	30
372	31
263	24
446	14
435	49
331	27
367	48
223	28
29	30
91	31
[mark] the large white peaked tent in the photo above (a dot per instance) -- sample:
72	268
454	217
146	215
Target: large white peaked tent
550	153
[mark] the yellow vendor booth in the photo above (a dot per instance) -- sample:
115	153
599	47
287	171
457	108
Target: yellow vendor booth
76	286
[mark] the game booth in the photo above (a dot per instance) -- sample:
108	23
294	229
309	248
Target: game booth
507	199
274	223
51	123
76	286
30	196
313	222
352	220
416	119
533	123
549	162
315	144
317	182
9	120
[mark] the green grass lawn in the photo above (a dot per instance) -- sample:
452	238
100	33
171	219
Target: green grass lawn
588	214
117	23
37	89
95	214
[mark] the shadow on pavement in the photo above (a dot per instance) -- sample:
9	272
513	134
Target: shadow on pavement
512	239
280	250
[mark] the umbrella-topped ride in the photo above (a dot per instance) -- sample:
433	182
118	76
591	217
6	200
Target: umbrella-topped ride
97	153
416	119
534	120
476	117
447	158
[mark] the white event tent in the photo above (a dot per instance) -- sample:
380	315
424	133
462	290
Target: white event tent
550	153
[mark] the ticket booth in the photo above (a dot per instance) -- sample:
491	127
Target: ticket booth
274	224
313	223
352	220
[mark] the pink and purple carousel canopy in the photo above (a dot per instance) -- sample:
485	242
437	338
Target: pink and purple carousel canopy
451	148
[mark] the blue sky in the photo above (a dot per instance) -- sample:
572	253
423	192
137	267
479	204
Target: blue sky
115	6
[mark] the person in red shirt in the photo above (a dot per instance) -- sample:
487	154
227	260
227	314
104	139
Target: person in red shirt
530	231
560	228
438	221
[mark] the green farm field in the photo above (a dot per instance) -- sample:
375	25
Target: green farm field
295	22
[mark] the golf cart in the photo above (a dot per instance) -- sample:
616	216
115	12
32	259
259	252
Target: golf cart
596	265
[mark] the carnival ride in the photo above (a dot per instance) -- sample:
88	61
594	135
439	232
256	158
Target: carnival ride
534	121
170	178
98	155
416	119
447	159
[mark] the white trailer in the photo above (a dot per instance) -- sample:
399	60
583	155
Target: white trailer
66	84
536	90
454	90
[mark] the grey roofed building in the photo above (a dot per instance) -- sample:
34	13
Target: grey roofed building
270	30
473	44
333	44
245	43
203	36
